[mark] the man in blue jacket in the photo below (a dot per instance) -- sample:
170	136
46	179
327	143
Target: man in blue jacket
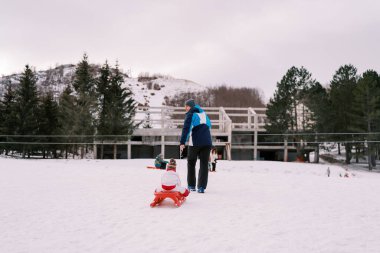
197	131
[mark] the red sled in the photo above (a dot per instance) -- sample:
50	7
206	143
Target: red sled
153	168
177	197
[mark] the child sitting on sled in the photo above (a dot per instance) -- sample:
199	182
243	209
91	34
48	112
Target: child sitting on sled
160	163
170	180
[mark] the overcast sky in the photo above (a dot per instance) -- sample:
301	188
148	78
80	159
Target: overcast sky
241	42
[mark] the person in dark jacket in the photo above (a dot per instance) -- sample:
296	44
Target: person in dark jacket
197	131
160	163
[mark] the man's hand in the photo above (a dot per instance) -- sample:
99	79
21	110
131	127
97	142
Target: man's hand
181	147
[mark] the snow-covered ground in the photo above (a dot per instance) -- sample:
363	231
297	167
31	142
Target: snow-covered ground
103	206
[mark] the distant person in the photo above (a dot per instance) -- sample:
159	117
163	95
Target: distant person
328	171
346	174
160	163
213	158
197	132
170	181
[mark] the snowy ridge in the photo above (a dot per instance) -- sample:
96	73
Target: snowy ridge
54	80
151	92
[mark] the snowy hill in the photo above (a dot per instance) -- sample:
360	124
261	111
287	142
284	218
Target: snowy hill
149	91
64	206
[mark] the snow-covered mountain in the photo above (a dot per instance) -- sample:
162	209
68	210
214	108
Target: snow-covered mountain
148	91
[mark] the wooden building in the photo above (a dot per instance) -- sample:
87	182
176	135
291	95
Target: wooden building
238	134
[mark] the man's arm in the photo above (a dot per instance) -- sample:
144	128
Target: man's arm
186	128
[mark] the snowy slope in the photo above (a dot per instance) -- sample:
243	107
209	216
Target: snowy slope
149	92
152	93
103	206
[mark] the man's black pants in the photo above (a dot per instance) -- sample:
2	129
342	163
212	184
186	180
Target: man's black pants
193	153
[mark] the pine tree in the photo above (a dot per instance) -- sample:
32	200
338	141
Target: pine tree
366	110
67	116
8	117
84	81
118	107
317	101
285	111
84	85
103	86
123	104
341	96
48	122
26	109
278	115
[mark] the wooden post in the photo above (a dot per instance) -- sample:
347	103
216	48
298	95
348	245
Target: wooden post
316	155
95	151
129	150
255	137
249	118
162	117
228	151
82	152
163	145
285	150
114	151
251	113
221	119
228	129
